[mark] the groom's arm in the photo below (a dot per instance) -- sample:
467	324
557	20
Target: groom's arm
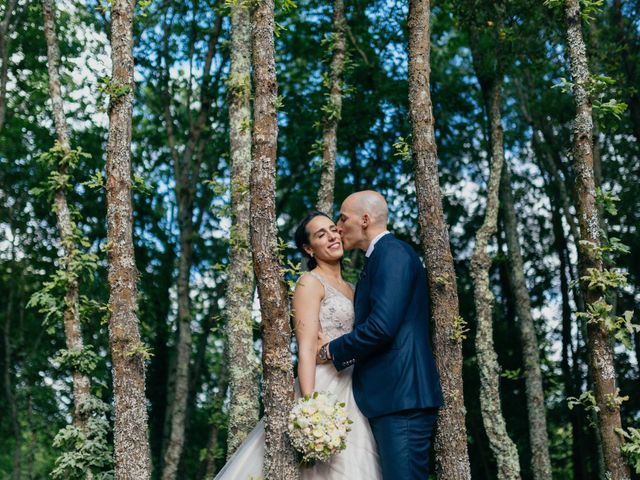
392	279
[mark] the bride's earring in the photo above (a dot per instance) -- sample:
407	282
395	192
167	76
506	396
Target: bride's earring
311	254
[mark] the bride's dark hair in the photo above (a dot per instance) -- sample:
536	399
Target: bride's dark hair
302	237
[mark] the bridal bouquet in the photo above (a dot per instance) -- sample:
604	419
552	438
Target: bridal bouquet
318	426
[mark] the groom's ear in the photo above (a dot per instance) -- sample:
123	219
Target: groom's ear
366	220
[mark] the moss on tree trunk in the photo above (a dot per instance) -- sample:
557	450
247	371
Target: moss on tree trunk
132	458
452	458
279	461
243	375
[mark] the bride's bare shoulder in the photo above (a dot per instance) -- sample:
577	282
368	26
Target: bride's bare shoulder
309	286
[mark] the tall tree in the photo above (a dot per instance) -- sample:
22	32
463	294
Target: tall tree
589	248
538	437
489	70
452	458
243	376
132	456
279	461
332	110
5	42
12	407
569	361
72	328
502	446
187	166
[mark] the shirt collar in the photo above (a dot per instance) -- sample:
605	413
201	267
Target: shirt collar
373	243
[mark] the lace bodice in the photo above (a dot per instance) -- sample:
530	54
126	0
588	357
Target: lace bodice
336	310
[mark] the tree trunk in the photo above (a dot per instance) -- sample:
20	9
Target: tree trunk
599	343
545	144
243	375
502	446
207	468
569	357
8	388
72	328
538	437
208	465
158	372
279	461
452	458
187	173
333	112
178	409
131	441
5	41
547	147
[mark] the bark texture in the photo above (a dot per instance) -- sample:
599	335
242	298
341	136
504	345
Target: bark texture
187	172
501	445
243	375
5	41
279	461
538	437
452	458
71	316
599	342
333	112
132	458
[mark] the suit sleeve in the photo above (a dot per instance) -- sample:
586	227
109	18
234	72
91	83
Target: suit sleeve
392	277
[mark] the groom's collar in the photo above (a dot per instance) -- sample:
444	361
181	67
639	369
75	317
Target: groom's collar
373	243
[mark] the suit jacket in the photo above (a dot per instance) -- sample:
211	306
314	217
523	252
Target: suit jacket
390	342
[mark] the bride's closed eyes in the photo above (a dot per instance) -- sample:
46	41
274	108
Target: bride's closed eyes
322	232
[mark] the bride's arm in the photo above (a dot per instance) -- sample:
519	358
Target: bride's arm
306	313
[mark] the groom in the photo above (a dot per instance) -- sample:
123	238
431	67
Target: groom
395	381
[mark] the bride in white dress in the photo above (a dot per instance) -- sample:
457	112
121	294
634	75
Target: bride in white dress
322	304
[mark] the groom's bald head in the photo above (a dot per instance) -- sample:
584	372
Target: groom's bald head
363	215
370	203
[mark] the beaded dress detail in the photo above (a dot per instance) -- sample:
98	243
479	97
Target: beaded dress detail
336	310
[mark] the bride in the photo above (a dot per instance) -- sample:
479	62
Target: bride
322	305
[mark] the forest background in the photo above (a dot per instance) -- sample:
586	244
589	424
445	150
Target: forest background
500	81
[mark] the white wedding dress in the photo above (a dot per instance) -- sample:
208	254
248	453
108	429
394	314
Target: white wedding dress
360	459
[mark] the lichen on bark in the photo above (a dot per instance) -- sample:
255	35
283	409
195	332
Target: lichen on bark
598	340
243	375
502	446
452	458
538	437
333	111
279	460
71	314
132	456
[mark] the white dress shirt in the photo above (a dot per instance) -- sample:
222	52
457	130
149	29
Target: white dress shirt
373	243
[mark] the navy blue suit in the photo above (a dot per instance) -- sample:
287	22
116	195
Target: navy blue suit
395	376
